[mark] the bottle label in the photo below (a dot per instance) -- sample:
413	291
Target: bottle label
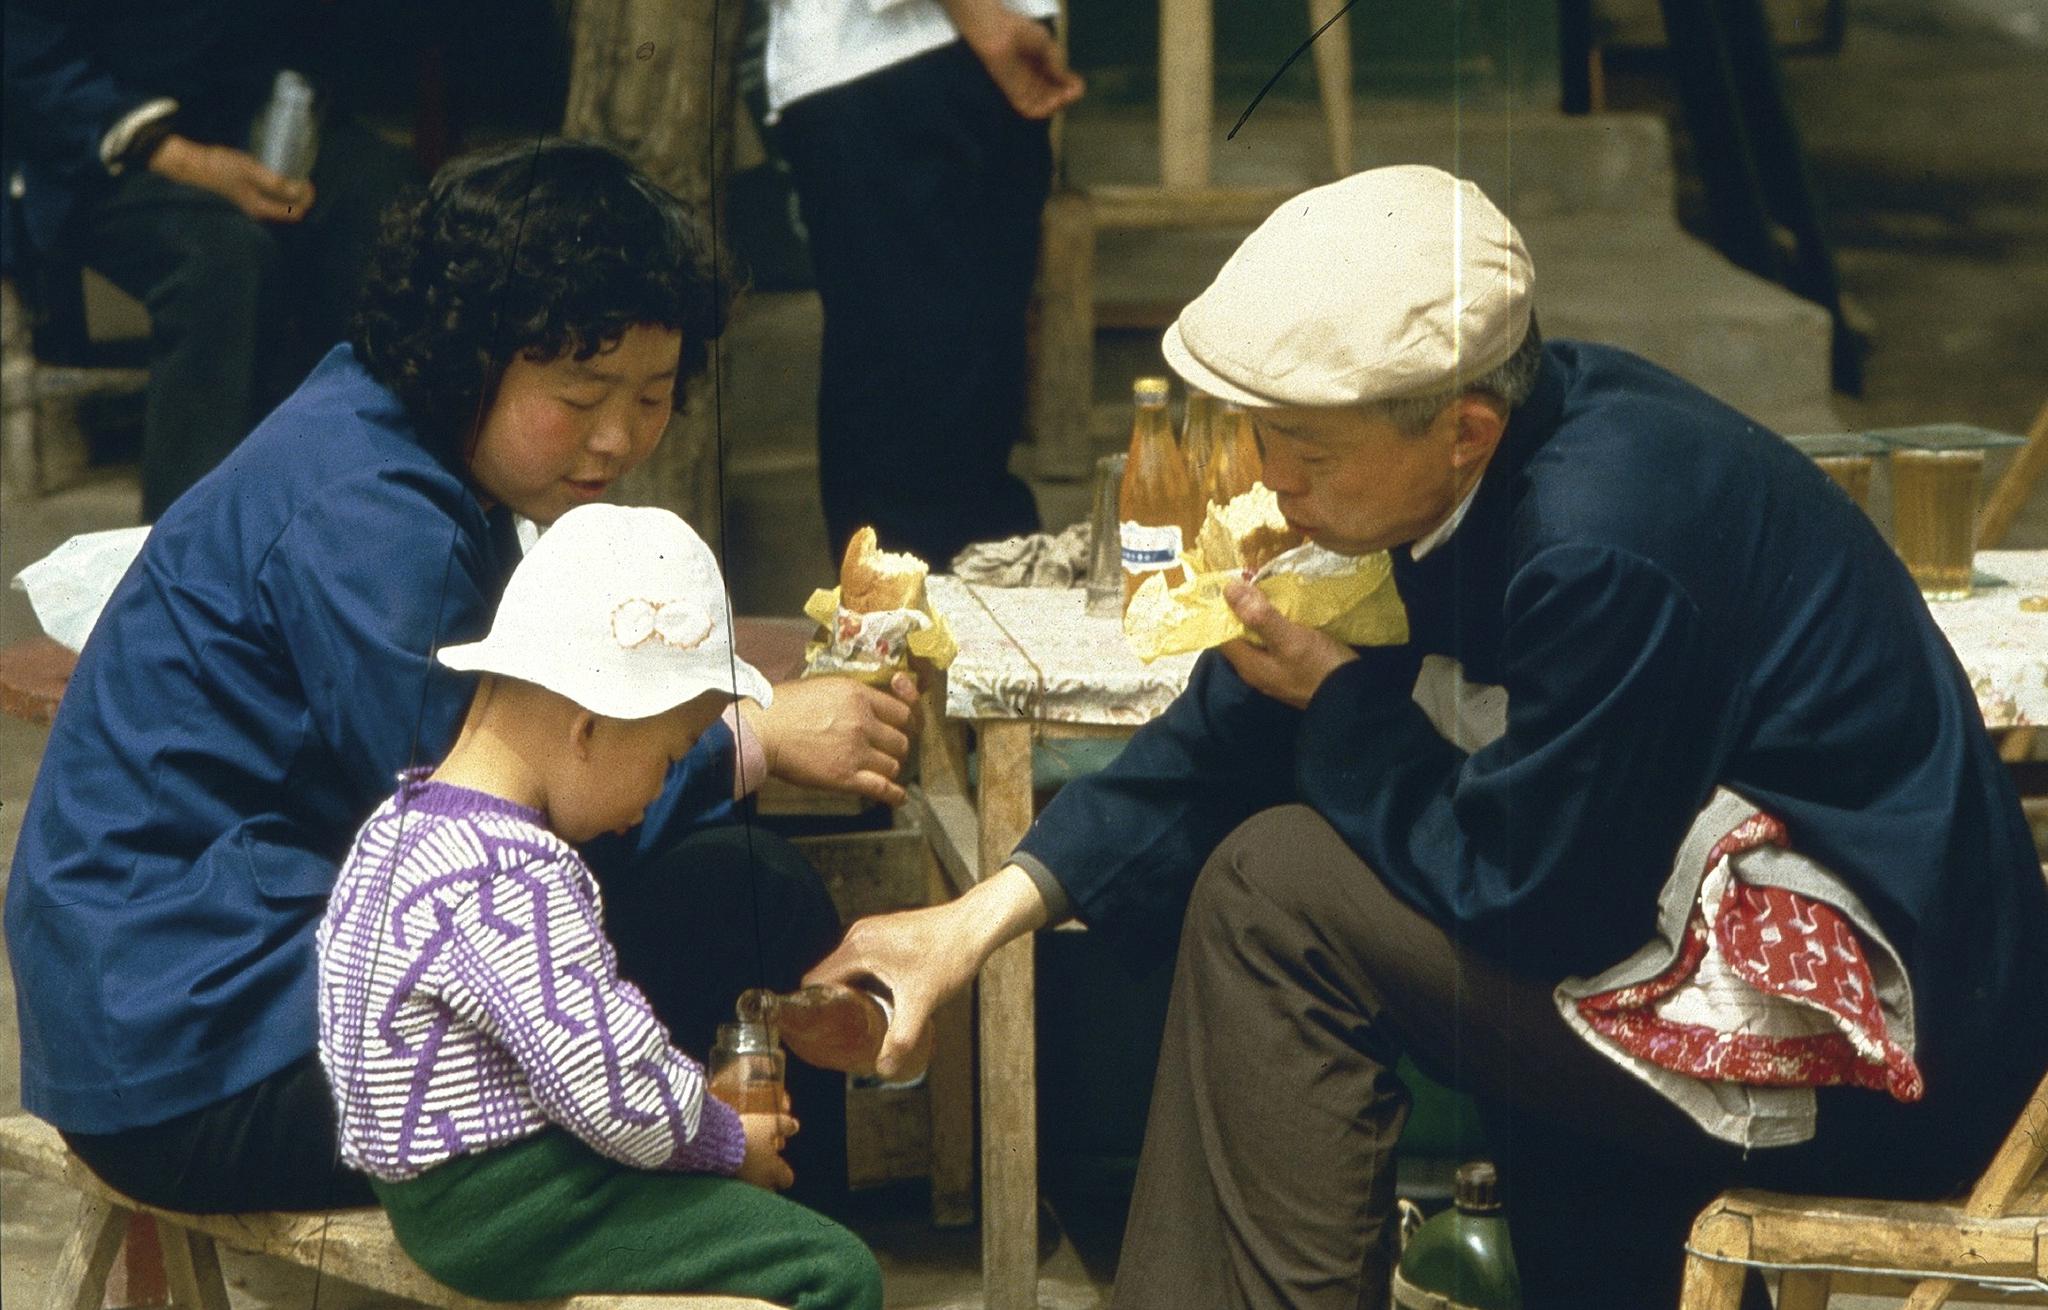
1148	548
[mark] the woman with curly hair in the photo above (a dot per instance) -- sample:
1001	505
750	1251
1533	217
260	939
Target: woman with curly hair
266	669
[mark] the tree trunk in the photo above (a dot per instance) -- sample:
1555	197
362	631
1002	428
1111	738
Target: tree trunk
654	80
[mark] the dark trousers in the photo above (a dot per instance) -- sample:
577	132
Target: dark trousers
238	310
922	191
1267	1173
721	911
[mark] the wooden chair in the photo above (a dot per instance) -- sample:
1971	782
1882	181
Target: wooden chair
41	448
1997	1237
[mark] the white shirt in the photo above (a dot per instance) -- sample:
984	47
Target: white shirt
815	45
1442	531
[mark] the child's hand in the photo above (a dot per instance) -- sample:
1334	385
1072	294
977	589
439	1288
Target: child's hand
763	1165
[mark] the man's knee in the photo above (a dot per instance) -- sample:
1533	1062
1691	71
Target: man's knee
227	270
1282	861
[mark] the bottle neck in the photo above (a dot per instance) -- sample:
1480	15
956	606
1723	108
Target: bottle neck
1152	424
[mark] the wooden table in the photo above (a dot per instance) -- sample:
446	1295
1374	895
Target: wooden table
1033	665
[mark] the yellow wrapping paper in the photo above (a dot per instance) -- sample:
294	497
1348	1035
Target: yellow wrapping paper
1359	606
846	650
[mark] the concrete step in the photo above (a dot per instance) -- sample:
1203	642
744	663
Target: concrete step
1532	164
1635	281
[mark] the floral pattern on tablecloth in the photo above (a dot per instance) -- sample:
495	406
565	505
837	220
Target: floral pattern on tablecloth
1035	652
2001	636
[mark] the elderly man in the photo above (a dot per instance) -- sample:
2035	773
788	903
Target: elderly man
1673	834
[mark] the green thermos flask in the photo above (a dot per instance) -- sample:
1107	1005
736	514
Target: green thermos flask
1460	1258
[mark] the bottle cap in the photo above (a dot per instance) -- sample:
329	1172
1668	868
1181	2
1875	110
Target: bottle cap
1149	391
1477	1189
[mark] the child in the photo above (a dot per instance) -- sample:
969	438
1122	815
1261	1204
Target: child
518	1107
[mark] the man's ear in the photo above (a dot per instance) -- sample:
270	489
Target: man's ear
1480	427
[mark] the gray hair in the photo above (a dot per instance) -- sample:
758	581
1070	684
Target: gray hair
1510	383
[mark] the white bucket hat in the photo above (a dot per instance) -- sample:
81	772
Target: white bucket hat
621	610
1397	281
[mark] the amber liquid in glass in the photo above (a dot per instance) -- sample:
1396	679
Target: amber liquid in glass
1851	473
1934	517
746	1067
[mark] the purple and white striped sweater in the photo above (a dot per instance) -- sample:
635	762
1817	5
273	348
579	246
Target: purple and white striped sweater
469	997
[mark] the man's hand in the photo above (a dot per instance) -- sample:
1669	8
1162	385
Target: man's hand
1020	55
925	957
234	175
763	1165
838	734
1294	660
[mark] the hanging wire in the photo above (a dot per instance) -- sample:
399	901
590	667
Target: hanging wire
1281	71
715	359
412	750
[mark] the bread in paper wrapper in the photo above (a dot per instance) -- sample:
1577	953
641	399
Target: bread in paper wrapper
1350	597
876	619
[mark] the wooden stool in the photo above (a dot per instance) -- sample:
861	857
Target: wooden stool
1996	1237
41	448
1062	379
355	1245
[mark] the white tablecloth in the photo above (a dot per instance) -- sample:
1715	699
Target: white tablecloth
2001	636
1035	653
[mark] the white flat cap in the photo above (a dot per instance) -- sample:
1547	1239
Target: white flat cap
1392	282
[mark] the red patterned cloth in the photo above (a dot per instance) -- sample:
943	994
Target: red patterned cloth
1786	950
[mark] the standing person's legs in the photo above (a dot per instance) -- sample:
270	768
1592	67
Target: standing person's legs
210	278
725	909
1267	1174
915	183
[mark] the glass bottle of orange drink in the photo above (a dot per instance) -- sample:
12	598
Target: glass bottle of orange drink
829	1025
1234	463
1160	507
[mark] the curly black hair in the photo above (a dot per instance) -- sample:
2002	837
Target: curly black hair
535	250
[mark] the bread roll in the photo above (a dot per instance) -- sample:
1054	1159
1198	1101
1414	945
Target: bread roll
1246	534
872	580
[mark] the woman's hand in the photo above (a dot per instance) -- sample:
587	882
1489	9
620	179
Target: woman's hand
236	176
838	734
925	957
1294	659
763	1165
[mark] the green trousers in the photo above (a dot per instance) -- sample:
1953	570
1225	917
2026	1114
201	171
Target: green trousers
548	1217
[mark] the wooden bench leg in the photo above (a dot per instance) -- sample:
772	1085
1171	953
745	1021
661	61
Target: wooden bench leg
1711	1285
193	1267
1803	1290
80	1279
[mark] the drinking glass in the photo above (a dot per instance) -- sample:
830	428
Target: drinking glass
1934	517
